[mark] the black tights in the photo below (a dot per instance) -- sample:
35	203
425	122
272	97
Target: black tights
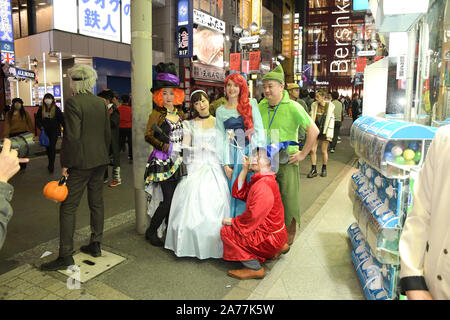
168	189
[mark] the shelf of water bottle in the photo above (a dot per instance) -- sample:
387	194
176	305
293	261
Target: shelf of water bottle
378	280
360	190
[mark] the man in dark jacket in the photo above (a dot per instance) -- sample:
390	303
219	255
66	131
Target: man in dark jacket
355	107
114	150
84	159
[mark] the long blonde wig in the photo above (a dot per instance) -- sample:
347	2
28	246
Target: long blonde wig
82	78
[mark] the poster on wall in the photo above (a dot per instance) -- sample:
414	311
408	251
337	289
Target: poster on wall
235	61
254	60
100	19
208	46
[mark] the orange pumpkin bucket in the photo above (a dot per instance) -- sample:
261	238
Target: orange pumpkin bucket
56	190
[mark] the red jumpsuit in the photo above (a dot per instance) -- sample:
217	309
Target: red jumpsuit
259	232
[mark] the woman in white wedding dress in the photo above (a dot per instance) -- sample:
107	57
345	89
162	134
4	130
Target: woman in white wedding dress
202	198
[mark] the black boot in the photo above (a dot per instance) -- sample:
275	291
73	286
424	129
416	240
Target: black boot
152	237
51	168
93	249
59	264
324	171
313	172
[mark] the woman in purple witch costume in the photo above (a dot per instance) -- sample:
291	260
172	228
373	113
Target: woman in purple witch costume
164	132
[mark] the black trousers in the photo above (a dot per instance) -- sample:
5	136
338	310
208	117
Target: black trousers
126	136
76	183
51	150
337	128
168	189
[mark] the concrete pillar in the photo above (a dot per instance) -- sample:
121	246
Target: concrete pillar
141	83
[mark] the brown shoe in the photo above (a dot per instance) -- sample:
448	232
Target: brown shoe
247	273
283	250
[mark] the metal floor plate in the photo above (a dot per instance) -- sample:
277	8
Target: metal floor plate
89	267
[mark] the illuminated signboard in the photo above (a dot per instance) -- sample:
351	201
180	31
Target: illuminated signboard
100	18
184	32
126	21
6	31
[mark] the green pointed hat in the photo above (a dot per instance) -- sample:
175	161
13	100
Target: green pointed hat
276	74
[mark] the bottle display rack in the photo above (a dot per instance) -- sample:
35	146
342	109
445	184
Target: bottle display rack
389	151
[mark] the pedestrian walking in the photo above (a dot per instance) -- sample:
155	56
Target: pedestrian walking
125	125
17	121
164	132
84	159
114	149
322	112
50	119
338	118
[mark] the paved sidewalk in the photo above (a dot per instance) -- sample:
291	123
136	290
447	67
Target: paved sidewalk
318	266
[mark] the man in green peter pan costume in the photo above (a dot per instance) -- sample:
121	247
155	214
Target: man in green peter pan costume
282	118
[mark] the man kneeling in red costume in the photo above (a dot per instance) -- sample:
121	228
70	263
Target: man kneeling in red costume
259	233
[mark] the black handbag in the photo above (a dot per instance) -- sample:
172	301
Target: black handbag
321	123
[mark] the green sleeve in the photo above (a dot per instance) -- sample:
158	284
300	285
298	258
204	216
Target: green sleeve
304	120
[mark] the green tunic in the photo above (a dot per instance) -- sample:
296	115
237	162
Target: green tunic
289	116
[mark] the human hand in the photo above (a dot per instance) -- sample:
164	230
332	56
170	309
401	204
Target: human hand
418	295
296	157
9	162
228	172
227	221
65	172
245	163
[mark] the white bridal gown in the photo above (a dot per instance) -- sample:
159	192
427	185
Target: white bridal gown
201	200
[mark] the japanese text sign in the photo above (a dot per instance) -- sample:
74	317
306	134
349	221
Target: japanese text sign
100	18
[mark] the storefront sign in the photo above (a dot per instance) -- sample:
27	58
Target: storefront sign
204	19
126	21
366	53
185	32
100	18
249	40
208	73
401	67
57	91
184	42
6	29
21	73
254	60
183	12
342	33
235	62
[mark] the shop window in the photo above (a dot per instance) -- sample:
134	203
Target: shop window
434	64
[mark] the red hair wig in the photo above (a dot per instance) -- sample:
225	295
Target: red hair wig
244	108
178	97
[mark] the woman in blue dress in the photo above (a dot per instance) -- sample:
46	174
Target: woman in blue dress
239	130
201	200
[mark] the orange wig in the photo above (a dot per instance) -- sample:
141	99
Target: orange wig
177	93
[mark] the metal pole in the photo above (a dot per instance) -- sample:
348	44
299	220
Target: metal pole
141	82
412	38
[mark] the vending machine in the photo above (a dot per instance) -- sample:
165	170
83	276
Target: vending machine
390	154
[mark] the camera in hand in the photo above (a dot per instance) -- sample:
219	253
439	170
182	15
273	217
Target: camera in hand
23	143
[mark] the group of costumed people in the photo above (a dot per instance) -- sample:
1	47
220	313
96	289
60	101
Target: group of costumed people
225	187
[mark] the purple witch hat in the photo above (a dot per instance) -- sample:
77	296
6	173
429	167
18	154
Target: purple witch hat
166	76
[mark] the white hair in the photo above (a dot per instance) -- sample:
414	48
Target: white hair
83	78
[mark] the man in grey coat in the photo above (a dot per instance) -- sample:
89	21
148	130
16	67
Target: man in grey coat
84	159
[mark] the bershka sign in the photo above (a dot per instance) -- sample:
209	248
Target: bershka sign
342	36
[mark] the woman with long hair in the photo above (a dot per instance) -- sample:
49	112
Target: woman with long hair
239	130
17	121
50	118
164	132
322	112
201	200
